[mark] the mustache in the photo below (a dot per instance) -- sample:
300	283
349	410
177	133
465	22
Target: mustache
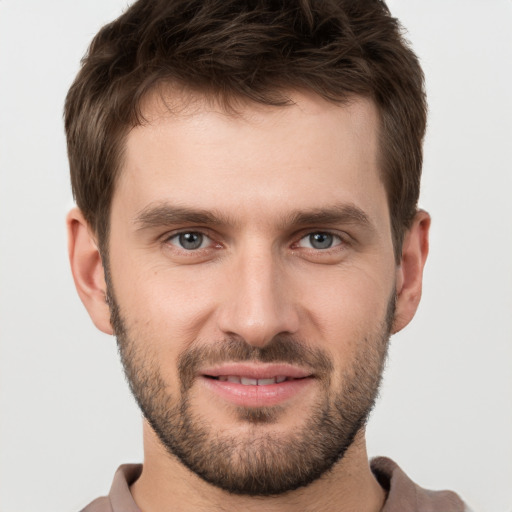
281	349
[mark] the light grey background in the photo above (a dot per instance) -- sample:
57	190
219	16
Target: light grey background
67	419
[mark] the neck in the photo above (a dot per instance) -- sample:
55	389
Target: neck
165	485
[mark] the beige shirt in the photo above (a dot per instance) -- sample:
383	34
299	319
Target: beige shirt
403	495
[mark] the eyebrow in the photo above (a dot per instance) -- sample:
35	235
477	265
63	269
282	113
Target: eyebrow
337	214
164	214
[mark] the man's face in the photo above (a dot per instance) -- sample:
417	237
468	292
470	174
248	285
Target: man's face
252	285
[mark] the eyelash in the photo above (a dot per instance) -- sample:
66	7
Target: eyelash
339	240
168	240
333	236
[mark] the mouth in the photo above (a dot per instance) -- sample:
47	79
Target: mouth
248	381
256	374
256	385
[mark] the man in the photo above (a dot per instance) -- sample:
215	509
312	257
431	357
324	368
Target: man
247	177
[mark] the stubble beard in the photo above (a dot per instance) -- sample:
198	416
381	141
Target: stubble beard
261	462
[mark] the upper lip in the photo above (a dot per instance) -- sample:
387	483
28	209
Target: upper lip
257	370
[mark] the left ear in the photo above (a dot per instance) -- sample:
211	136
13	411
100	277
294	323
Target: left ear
409	276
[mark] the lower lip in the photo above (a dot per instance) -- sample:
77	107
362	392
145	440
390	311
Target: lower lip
258	396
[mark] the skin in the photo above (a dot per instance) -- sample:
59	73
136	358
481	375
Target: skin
257	275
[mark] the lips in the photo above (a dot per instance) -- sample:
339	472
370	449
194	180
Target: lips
256	385
248	381
252	374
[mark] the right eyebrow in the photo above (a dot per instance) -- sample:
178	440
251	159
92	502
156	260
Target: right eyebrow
167	215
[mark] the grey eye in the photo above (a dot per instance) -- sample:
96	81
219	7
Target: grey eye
189	241
320	240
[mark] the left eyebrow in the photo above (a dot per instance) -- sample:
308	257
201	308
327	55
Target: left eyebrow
346	214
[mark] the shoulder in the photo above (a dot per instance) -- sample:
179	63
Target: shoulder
119	498
403	492
99	505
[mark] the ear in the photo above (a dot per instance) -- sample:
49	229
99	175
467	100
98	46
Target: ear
87	270
409	277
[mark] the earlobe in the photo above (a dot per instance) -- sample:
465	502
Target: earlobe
87	269
410	272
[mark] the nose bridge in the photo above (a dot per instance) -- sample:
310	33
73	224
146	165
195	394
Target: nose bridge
258	305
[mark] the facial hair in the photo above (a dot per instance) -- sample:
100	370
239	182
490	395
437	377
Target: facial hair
260	462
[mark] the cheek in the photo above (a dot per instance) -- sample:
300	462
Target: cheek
346	309
348	296
162	319
168	306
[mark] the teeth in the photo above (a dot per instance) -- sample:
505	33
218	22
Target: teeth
246	381
266	382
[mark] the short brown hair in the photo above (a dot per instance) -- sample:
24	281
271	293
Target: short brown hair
252	49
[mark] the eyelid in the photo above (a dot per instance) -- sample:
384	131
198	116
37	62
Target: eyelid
167	237
337	240
175	240
344	238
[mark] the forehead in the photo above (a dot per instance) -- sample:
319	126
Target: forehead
193	150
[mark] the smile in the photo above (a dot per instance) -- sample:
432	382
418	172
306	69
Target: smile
247	381
256	385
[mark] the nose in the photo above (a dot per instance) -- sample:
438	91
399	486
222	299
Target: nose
258	302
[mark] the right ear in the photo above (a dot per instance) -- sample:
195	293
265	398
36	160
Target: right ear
87	270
